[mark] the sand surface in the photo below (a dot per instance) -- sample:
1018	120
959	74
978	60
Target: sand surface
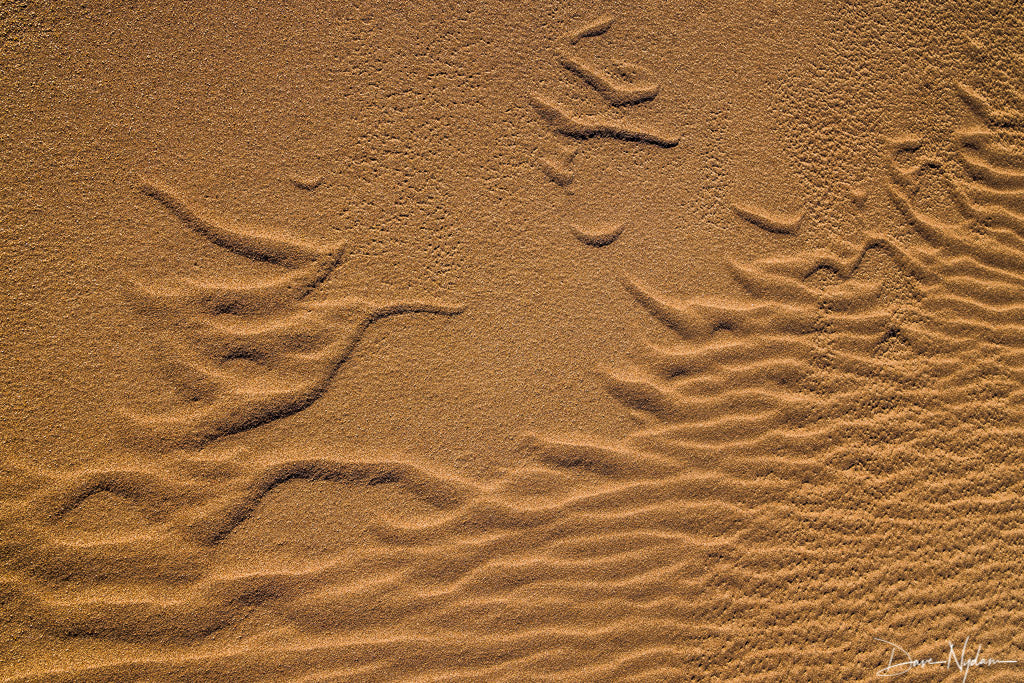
512	341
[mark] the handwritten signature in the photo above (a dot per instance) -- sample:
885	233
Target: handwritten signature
963	662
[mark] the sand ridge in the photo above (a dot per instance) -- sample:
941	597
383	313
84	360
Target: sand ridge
656	343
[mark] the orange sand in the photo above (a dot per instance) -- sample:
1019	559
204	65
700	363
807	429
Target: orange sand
512	341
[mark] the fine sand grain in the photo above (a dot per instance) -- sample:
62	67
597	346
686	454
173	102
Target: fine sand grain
512	341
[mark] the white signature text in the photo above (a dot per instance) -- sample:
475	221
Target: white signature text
900	661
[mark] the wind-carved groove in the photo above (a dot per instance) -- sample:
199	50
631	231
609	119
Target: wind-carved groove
840	392
189	518
288	346
620	85
250	242
241	354
214	526
627	83
784	437
976	260
594	28
623	84
582	126
783	224
599	236
920	385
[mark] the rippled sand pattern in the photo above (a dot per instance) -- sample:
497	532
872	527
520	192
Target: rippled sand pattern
815	454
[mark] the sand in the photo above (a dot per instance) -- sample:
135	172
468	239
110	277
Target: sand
518	341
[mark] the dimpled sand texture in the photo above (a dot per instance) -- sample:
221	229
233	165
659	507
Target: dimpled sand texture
484	341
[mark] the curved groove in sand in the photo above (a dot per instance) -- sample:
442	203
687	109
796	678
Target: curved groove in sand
598	237
779	223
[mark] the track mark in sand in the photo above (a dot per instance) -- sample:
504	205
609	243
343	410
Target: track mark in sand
779	223
248	354
599	237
